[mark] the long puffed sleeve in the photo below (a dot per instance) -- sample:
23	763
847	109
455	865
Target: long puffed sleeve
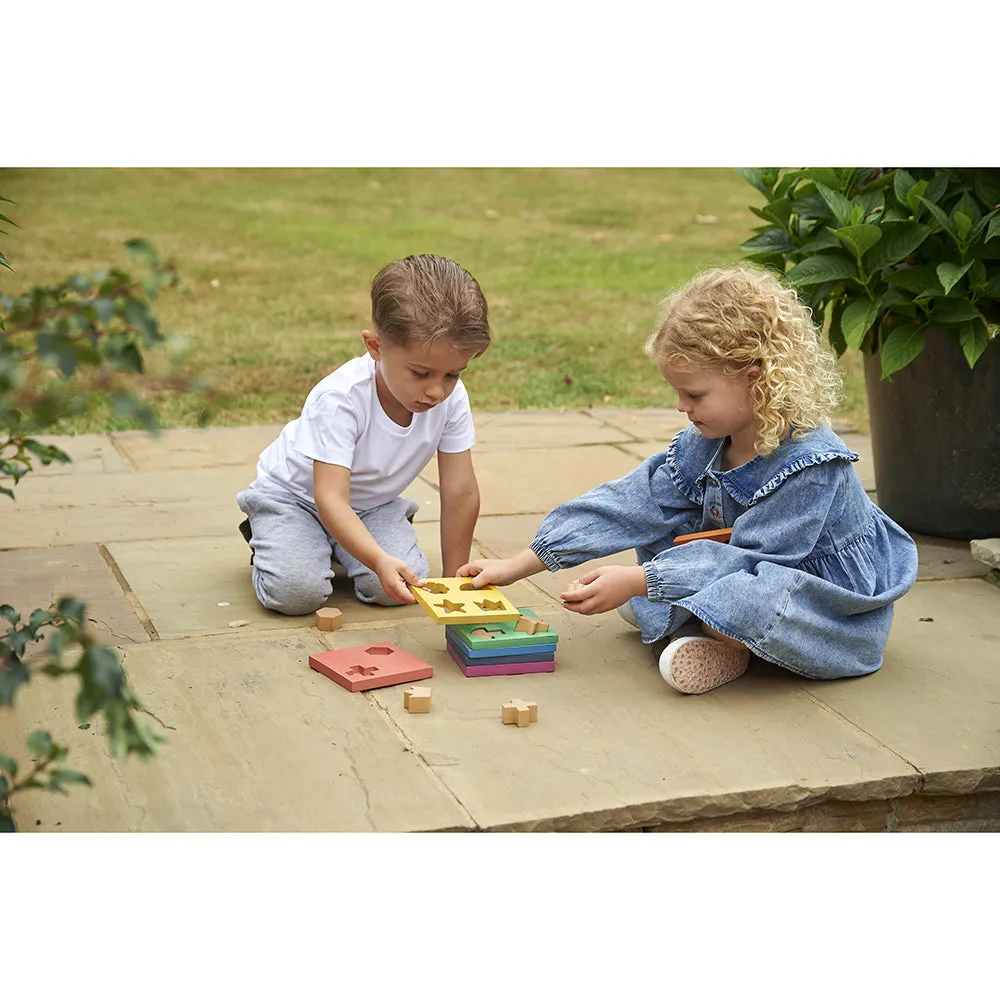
643	509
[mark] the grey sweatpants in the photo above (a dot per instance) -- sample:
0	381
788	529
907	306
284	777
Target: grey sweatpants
292	551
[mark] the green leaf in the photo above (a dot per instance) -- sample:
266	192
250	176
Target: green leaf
825	267
950	274
4	787
839	205
773	240
755	177
974	340
826	239
857	320
994	228
941	216
7	824
829	176
913	197
899	240
13	673
900	347
955	311
921	280
859	239
68	777
902	181
8	764
40	743
777	211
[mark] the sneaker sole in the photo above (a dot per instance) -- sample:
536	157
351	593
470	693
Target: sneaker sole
699	665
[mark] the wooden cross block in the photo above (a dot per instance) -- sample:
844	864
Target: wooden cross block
329	619
530	625
575	585
417	700
519	713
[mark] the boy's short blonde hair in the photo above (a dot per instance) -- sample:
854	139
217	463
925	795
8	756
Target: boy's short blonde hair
727	320
424	297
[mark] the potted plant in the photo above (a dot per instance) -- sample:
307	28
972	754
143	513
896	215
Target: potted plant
903	264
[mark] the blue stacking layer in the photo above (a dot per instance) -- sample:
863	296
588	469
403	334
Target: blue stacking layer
470	658
524	653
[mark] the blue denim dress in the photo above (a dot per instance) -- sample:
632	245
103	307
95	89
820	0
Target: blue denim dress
809	578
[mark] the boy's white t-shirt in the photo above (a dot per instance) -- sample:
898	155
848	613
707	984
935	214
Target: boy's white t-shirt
343	423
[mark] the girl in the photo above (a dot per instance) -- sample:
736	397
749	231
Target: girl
813	567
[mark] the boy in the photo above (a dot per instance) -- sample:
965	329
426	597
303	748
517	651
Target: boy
330	484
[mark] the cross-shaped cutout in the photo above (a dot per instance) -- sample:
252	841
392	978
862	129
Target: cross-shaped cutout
489	605
364	671
486	633
451	606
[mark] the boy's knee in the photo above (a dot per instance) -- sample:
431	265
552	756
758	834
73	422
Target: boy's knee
369	589
293	597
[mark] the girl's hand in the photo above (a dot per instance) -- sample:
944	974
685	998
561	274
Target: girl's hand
489	572
394	574
604	589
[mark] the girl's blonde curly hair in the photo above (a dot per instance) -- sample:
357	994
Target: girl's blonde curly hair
727	320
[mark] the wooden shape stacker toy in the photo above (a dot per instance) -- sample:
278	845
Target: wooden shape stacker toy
452	600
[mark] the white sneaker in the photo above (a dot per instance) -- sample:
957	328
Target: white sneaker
626	612
696	664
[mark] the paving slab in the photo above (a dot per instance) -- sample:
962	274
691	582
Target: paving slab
121	506
90	454
542	429
522	482
198	586
615	748
257	745
653	424
945	559
936	699
37	578
195	447
258	742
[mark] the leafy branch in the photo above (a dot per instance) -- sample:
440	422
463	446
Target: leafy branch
49	337
886	254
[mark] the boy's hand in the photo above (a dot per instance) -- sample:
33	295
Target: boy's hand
604	589
489	572
394	574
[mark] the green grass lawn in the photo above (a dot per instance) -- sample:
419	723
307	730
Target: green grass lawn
277	264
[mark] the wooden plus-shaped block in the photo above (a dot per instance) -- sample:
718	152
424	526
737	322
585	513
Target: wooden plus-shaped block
452	600
417	700
361	668
519	713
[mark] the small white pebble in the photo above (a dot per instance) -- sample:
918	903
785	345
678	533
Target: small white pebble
239	623
214	283
223	604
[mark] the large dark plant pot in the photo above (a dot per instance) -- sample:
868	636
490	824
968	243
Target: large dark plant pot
935	429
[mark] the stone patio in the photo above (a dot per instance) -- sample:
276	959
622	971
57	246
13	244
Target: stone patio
144	530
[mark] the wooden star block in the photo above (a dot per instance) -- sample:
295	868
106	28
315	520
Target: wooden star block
452	600
530	625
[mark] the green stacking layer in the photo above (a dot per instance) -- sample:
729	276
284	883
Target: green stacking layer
508	636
